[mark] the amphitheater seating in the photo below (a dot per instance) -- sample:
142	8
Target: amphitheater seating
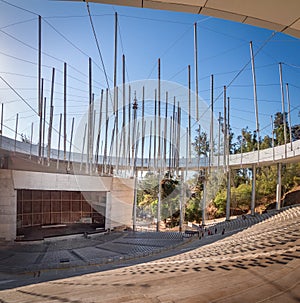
254	241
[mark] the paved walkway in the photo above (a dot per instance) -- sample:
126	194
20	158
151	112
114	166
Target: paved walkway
256	264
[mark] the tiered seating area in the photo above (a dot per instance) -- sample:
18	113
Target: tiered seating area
249	263
248	241
275	239
78	251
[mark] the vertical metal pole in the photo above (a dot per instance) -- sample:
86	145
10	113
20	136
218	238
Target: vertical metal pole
16	132
40	97
31	137
165	129
228	173
65	111
170	146
1	130
255	97
173	133
178	136
93	133
134	135
58	145
124	107
143	139
101	151
117	122
2	115
154	134
162	151
181	202
99	131
106	131
158	203
228	131
278	187
242	142
83	145
116	50
225	130
150	144
211	153
41	117
159	120
129	124
219	139
111	149
204	202
273	144
289	114
39	62
189	112
283	108
198	155
143	129
71	139
196	68
135	143
51	117
89	132
44	129
186	152
134	203
253	195
115	85
226	160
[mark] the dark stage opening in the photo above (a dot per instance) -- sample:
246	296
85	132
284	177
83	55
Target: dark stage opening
53	213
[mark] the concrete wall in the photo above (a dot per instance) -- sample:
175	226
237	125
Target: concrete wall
48	181
121	202
118	205
8	206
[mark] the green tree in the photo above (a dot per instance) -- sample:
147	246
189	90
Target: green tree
296	132
147	194
193	211
201	143
241	196
279	128
266	142
220	203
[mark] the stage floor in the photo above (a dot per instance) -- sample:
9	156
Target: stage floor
34	233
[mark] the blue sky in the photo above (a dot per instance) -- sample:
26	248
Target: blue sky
144	36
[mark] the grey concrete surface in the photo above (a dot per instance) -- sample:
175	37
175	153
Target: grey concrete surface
256	264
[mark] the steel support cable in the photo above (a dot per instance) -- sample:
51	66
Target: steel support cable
71	43
31	12
43	65
239	73
44	53
98	48
170	47
15	91
35	49
291	65
122	45
17	23
21	8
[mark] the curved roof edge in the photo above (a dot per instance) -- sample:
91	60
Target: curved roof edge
281	16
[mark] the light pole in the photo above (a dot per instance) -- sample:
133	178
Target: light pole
134	152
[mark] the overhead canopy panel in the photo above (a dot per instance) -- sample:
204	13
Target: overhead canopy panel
280	15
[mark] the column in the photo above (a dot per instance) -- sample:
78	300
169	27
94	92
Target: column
278	187
253	190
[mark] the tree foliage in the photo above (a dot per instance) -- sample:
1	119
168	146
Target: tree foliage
241	181
201	143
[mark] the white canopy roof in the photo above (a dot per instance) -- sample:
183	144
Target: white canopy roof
279	15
